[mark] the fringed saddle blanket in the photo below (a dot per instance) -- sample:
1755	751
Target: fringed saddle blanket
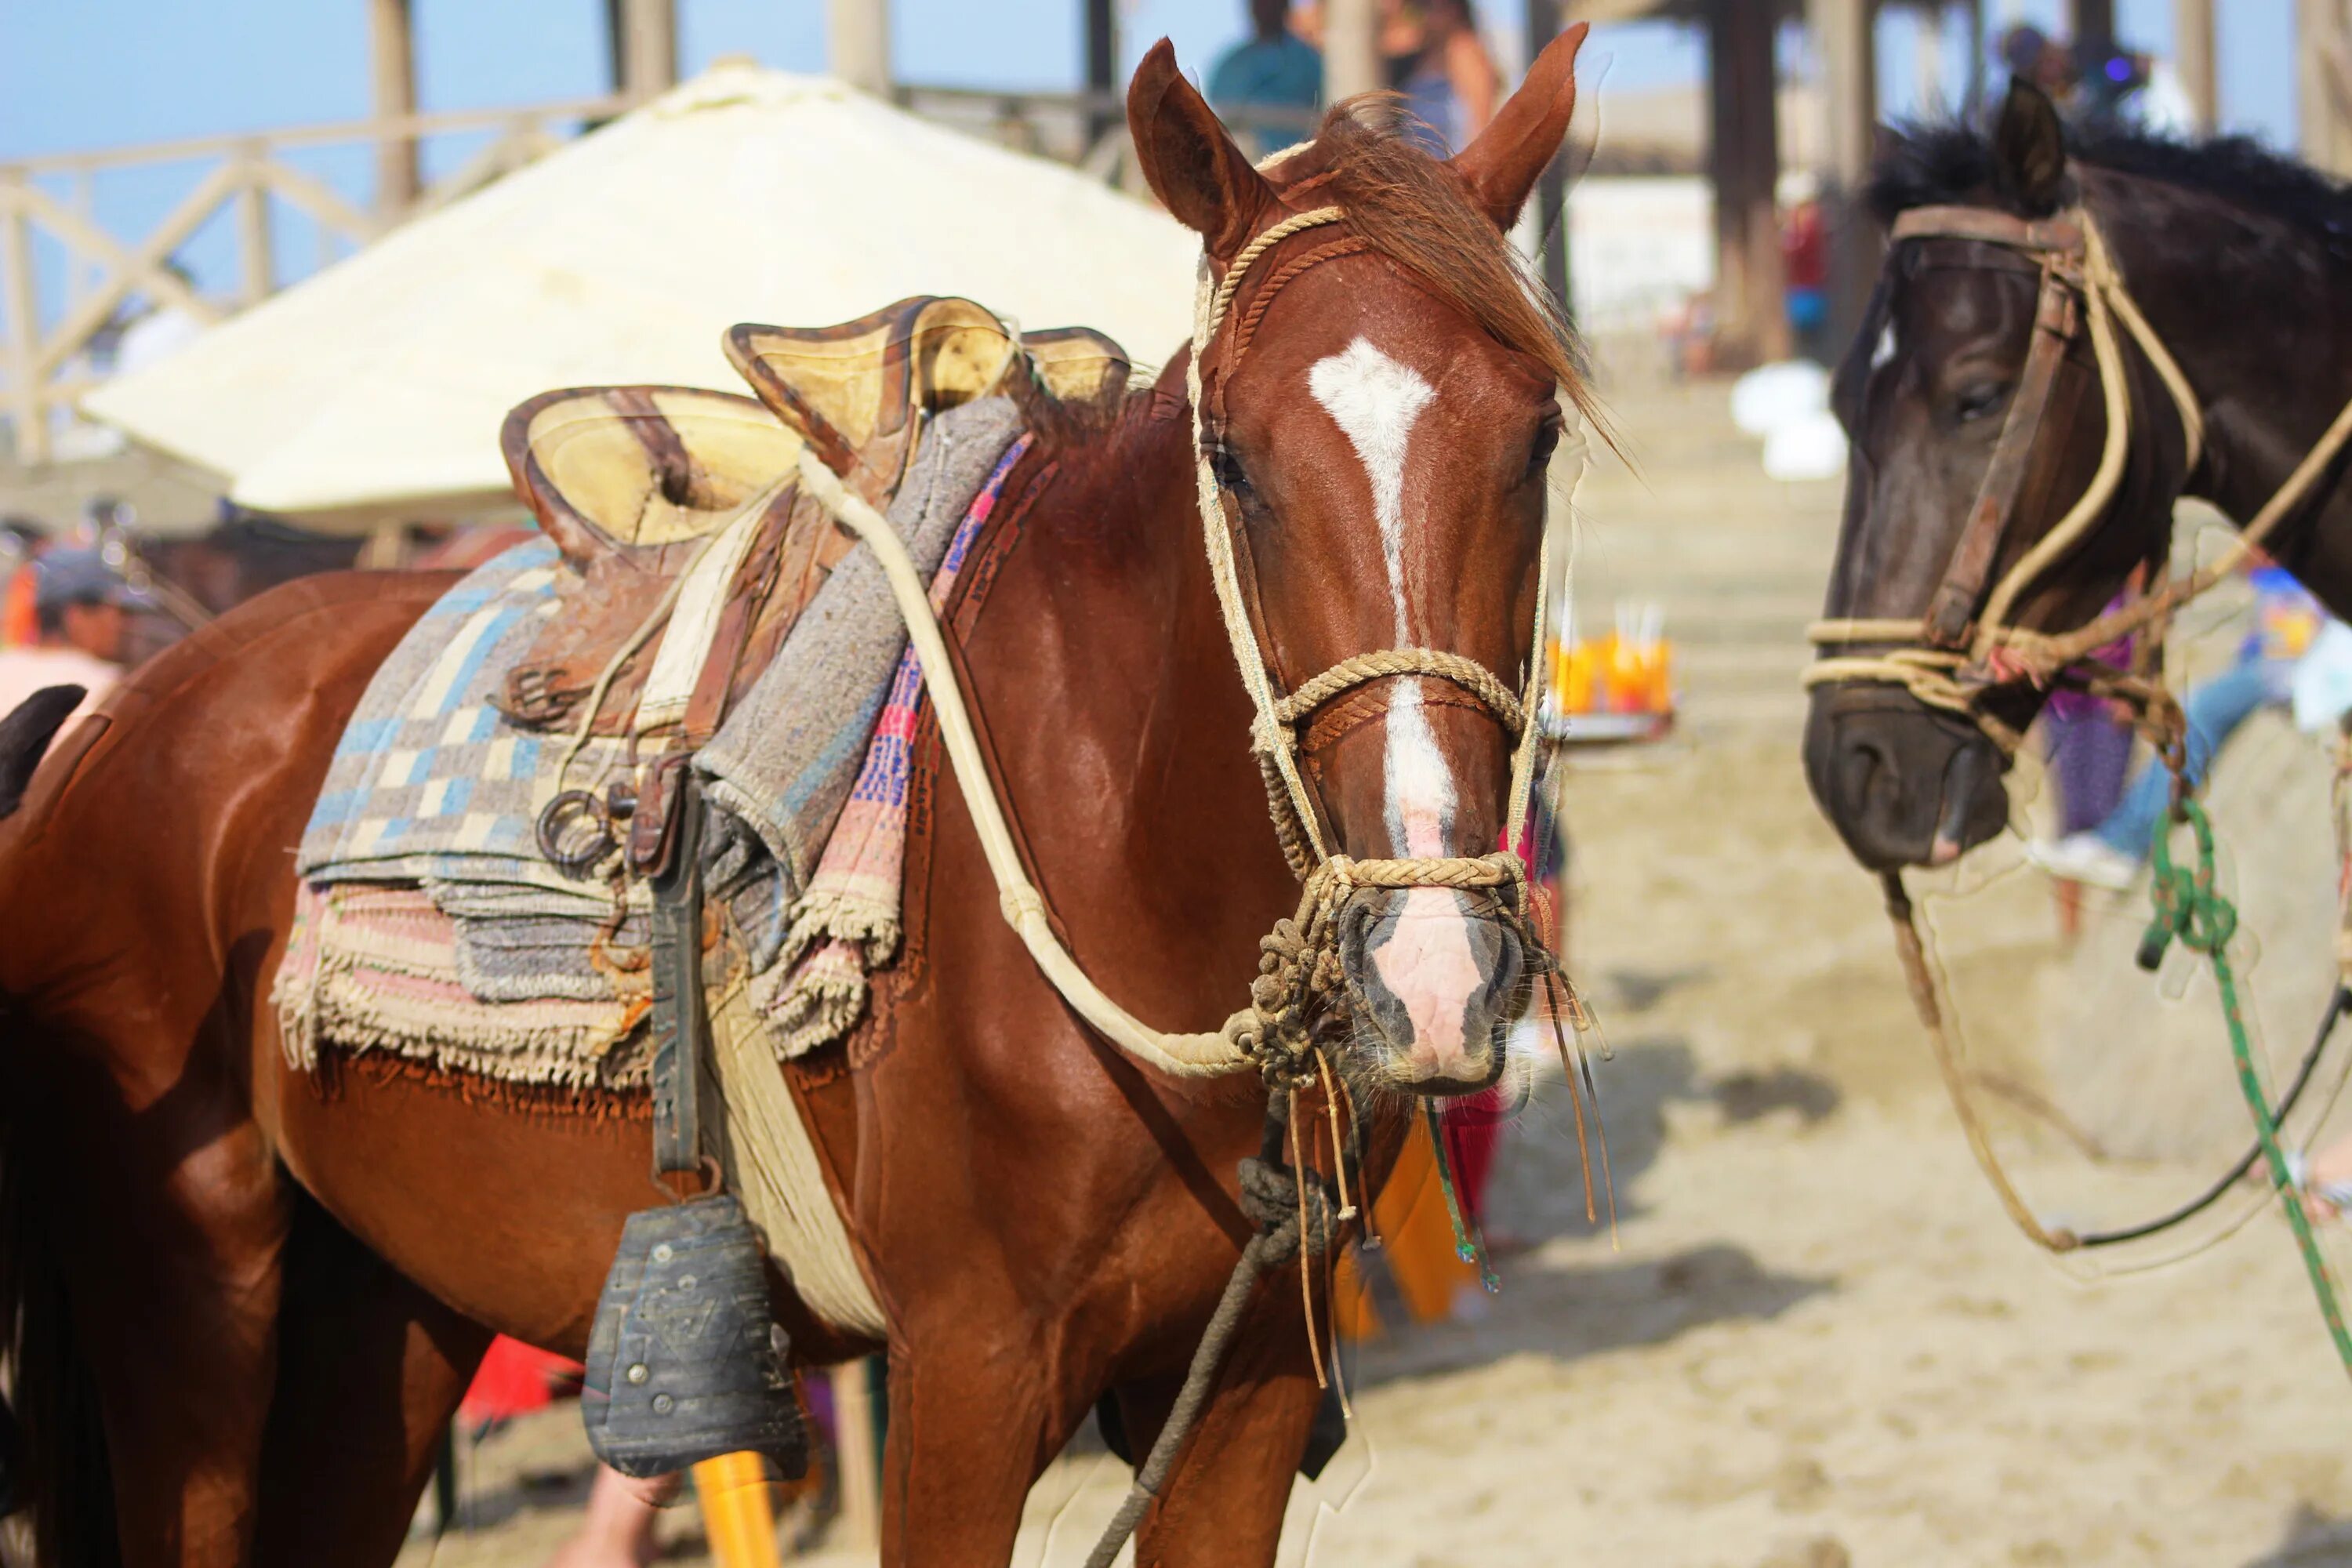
429	924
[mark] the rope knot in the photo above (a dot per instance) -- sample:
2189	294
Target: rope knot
1270	1197
1019	902
2189	908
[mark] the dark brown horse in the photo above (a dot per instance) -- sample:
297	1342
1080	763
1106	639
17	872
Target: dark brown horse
247	1298
2241	263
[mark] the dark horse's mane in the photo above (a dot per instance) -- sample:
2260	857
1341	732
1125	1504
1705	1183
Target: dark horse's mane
1933	164
1416	212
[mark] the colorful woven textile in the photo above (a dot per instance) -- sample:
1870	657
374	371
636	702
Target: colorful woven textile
430	925
848	923
373	967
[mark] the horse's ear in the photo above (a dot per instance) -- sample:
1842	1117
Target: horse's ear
1193	167
1503	165
2029	150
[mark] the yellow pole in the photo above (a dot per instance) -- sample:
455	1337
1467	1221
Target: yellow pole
736	1514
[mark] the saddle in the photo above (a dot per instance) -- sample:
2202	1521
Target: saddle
681	506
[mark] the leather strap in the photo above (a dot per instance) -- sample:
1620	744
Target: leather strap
1953	610
681	1031
2055	236
745	596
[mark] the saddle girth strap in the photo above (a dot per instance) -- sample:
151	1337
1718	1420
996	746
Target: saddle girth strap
681	1029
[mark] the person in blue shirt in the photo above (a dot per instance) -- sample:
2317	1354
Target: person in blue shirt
1274	69
2287	620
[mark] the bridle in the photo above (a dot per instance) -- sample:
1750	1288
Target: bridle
1967	646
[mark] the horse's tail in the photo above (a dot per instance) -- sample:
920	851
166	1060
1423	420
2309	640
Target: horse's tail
53	1466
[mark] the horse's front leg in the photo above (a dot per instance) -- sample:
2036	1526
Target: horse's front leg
1223	1505
972	1421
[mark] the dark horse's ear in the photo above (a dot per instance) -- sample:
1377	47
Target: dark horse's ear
2029	151
1503	165
1193	167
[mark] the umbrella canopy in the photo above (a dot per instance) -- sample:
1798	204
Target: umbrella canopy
377	387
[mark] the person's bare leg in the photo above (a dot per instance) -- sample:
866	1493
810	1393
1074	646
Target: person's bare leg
618	1531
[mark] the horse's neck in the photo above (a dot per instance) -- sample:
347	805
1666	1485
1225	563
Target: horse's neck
1140	745
2268	350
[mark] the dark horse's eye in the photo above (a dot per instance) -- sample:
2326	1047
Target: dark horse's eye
1976	402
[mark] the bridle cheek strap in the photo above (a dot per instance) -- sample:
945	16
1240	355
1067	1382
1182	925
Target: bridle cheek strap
1952	611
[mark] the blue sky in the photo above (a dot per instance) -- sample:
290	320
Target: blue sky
92	73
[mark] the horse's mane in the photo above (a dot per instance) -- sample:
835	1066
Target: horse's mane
1934	164
1416	212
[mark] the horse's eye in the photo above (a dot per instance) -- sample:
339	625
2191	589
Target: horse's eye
1976	402
1546	443
1226	464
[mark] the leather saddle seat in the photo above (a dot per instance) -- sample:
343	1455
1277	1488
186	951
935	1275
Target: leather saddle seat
631	483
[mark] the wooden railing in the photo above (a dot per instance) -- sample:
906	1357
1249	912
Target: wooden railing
44	367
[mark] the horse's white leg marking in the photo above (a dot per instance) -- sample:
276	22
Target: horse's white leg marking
1427	964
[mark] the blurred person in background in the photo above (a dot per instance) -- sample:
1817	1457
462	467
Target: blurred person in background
2031	55
2287	623
21	540
81	609
1274	68
1437	58
1805	263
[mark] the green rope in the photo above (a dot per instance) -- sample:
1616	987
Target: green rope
1468	1244
2192	911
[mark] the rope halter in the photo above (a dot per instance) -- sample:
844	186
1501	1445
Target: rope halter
1278	716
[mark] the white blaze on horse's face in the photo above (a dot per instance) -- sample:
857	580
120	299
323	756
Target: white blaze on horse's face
1428	963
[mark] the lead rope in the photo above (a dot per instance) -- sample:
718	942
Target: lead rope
2191	910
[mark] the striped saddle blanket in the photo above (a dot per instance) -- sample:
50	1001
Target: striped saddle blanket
430	925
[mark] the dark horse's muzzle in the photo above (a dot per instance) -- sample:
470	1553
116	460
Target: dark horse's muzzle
1434	977
1903	784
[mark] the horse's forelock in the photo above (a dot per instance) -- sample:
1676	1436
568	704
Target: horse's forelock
1417	212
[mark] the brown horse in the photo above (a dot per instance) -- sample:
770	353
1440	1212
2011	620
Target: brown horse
247	1298
2238	260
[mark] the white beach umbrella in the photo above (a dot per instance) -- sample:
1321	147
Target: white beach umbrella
376	388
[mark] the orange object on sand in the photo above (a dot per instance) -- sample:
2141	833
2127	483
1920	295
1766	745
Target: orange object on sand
1417	1243
737	1514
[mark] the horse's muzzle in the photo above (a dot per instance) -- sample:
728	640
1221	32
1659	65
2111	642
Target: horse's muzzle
1903	784
1434	976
